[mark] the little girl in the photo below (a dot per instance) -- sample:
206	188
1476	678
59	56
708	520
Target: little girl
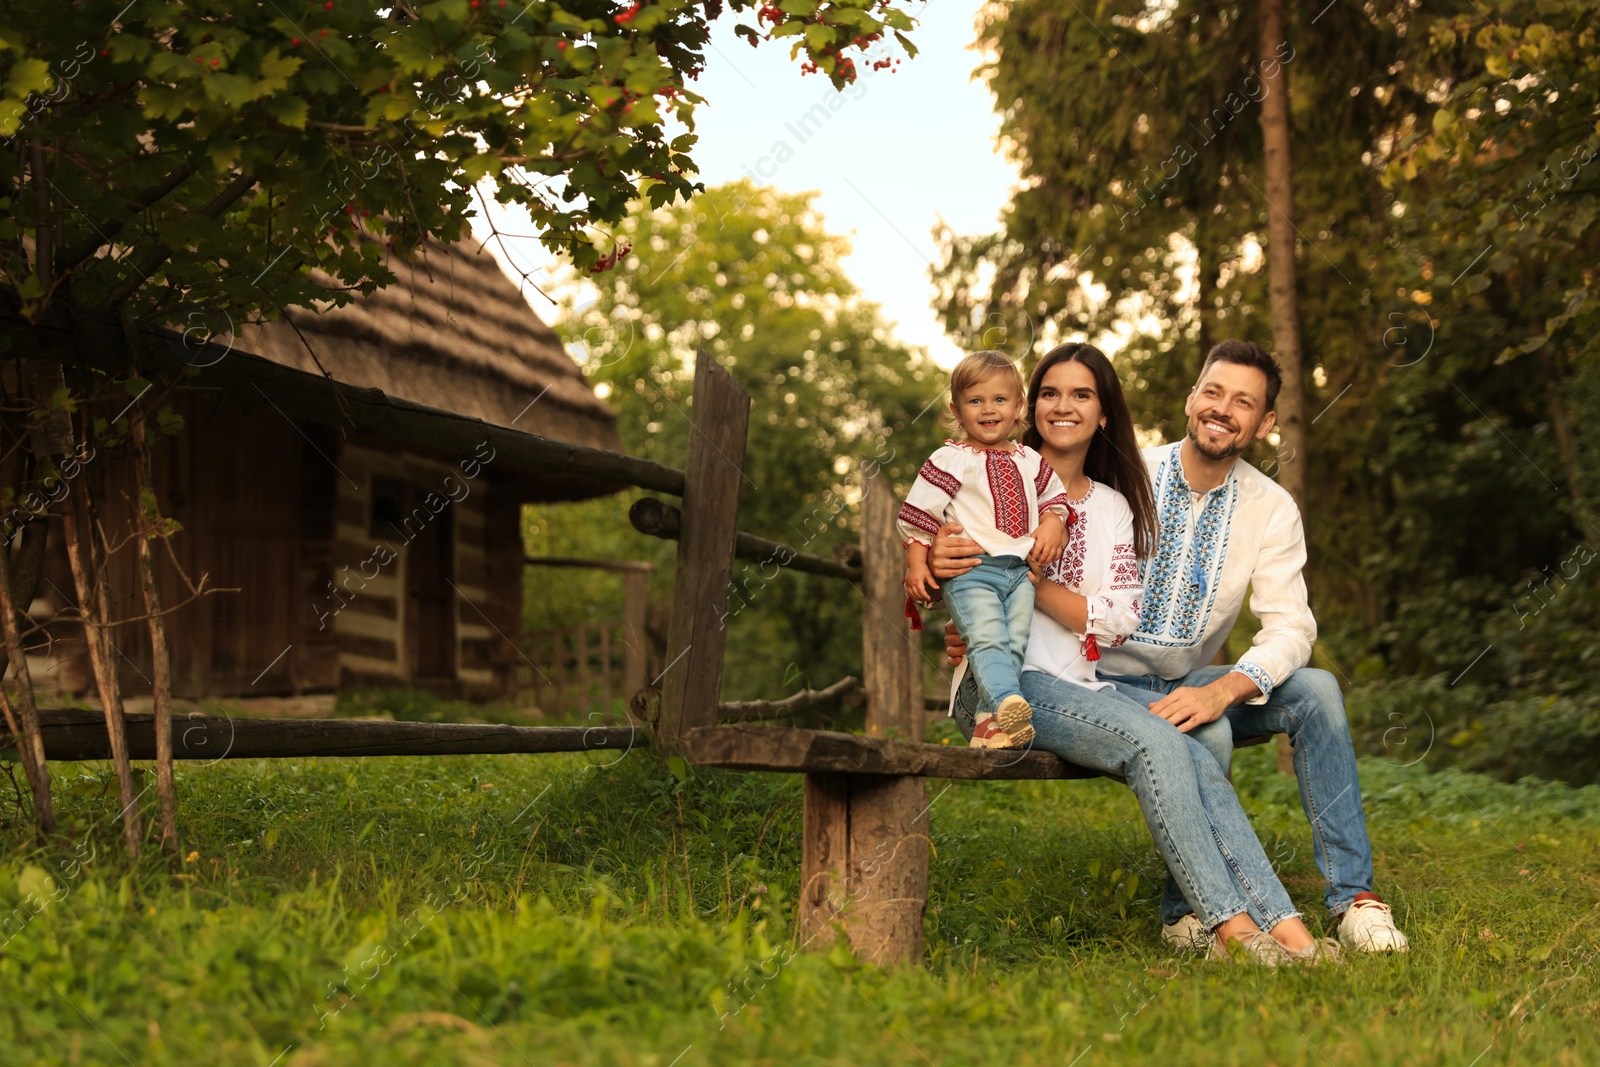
1010	502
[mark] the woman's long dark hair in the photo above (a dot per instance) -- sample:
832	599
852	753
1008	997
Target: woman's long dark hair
1114	452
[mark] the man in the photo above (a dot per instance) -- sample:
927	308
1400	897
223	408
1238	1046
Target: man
1225	527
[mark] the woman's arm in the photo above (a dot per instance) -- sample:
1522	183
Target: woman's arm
1068	608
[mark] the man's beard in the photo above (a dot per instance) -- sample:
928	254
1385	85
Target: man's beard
1228	451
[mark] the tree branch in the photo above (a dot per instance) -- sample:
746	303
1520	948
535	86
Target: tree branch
103	235
162	252
43	253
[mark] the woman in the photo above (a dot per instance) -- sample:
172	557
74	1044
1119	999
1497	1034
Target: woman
1079	420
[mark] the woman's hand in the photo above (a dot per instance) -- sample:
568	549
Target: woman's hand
955	649
953	553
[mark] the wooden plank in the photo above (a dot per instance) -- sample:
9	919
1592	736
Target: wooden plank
81	735
864	865
891	652
765	748
657	518
692	680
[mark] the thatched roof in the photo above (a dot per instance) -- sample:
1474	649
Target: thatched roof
453	333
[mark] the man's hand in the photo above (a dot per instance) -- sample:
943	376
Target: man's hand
953	552
955	649
1189	707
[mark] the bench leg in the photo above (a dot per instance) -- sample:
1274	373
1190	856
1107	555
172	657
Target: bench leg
864	864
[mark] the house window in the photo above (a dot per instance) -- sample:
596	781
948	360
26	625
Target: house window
388	506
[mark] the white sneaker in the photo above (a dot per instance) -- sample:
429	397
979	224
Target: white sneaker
1187	935
1368	926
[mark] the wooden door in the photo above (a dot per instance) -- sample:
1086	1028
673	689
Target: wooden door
431	601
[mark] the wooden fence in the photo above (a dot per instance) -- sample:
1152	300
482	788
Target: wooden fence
593	668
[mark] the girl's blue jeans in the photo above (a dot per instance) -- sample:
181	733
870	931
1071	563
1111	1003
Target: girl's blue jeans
992	606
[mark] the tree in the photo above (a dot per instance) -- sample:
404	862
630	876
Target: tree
751	275
1279	173
192	163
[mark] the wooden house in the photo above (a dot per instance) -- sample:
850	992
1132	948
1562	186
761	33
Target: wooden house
356	555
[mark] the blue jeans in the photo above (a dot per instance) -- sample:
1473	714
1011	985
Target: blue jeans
1308	707
992	606
1193	813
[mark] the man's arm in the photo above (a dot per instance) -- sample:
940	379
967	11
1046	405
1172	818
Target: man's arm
1278	598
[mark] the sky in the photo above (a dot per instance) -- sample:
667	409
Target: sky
899	151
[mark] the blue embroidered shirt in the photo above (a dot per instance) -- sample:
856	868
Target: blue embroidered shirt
1244	535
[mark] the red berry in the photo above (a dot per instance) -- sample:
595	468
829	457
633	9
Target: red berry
294	41
328	6
365	212
561	45
474	5
214	62
105	51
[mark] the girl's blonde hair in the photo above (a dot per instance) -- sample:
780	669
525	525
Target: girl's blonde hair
978	366
974	369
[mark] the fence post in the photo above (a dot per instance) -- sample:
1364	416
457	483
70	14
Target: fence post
891	651
635	597
691	680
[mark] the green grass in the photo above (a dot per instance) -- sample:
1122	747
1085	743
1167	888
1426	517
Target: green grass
586	911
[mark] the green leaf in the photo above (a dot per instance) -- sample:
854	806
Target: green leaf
905	42
28	76
289	110
818	37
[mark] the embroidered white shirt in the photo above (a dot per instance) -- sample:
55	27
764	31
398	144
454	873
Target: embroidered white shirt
998	497
1099	563
1211	548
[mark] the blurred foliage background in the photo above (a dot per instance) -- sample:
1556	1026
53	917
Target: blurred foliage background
1446	189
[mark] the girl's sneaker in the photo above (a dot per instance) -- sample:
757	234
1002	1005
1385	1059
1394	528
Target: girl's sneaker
986	733
1016	719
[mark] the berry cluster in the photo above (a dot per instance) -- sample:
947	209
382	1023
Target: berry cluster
770	13
610	259
623	17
